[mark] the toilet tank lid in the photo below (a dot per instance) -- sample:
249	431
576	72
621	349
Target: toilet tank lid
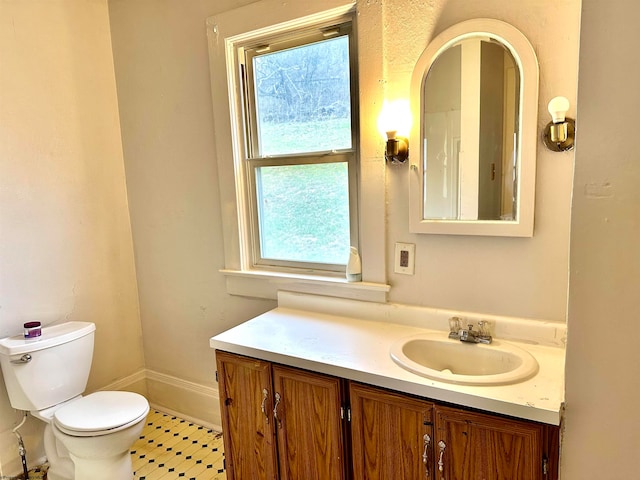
51	336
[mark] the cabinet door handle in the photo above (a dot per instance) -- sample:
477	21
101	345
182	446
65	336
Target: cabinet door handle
275	410
442	446
263	406
425	454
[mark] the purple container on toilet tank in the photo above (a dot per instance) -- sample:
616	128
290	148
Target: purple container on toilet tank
32	330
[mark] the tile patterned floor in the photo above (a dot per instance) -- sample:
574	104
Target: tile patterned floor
171	448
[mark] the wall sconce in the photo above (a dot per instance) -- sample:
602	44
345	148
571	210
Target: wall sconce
397	148
394	124
559	134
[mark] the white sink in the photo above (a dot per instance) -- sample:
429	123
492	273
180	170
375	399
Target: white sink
437	357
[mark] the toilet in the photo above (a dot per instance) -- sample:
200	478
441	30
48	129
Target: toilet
85	437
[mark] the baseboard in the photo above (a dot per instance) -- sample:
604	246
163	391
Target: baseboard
188	418
192	401
189	400
136	382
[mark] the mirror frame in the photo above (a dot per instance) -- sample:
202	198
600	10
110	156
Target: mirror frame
526	59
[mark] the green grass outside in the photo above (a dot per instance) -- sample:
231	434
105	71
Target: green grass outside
304	209
304	213
296	137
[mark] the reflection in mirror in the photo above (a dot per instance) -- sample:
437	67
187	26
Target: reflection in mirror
470	132
475	92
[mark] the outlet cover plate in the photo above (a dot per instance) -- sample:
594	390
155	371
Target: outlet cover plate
404	259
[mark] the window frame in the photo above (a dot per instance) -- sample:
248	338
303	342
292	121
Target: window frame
228	28
246	51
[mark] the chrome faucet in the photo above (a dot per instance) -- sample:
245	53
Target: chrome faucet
469	335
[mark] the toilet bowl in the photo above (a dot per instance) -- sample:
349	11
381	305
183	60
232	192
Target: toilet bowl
95	432
85	437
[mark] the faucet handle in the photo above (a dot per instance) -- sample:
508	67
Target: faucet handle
485	328
454	324
454	327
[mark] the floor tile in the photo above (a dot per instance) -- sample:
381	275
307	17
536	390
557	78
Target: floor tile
171	448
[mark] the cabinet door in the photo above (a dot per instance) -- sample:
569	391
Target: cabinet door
309	425
245	404
483	447
391	435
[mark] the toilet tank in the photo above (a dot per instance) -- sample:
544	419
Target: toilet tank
58	367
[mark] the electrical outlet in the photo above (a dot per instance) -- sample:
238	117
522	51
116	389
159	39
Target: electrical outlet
405	258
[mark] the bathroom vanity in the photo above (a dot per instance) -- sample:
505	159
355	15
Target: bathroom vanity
314	393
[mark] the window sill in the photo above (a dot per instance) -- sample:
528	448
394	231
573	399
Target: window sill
260	284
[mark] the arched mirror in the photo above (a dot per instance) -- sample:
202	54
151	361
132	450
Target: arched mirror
475	93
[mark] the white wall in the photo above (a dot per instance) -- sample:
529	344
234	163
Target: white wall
65	240
602	430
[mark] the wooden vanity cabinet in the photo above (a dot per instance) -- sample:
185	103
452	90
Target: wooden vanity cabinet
309	425
245	388
477	446
391	435
279	422
397	436
329	428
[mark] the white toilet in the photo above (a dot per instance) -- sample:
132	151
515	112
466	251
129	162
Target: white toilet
85	437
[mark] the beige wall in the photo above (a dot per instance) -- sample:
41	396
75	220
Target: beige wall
65	239
524	277
161	60
602	430
164	95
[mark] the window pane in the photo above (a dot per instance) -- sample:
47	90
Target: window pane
303	98
304	212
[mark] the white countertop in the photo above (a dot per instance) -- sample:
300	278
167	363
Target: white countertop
358	350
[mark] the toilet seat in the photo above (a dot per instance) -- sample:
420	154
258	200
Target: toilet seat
101	413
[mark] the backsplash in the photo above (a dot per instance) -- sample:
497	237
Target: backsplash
539	332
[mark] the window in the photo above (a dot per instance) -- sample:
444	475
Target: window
248	164
299	124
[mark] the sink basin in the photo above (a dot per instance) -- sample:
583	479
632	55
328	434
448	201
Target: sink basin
437	357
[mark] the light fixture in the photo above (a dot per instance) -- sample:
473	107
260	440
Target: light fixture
394	124
559	134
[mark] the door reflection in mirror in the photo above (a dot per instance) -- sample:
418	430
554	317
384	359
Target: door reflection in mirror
470	107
